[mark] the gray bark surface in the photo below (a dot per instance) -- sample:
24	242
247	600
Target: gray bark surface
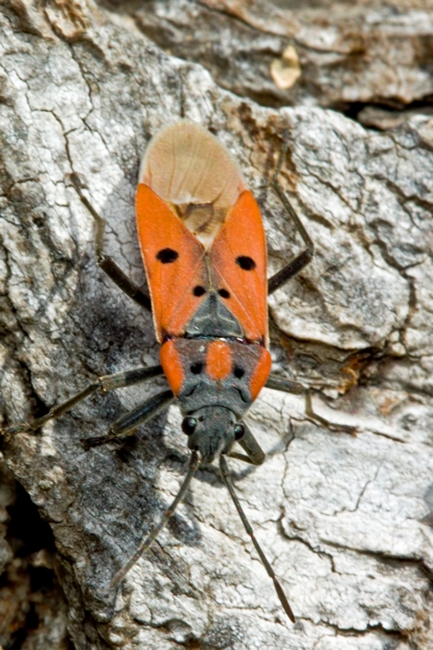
363	57
344	519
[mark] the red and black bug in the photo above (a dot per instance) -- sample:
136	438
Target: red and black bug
204	251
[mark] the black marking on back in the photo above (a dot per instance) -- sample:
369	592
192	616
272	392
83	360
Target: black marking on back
198	291
200	390
246	263
213	318
238	372
167	255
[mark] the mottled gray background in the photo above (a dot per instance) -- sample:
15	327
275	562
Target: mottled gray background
345	519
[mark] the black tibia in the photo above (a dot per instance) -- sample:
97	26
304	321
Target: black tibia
254	453
281	595
106	263
303	258
287	386
105	383
129	422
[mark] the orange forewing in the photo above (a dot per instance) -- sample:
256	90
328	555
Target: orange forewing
170	284
242	234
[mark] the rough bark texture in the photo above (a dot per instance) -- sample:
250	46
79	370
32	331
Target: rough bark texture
344	519
359	57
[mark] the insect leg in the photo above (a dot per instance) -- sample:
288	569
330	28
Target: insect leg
281	595
254	453
304	258
193	467
105	383
129	422
287	386
318	419
106	263
280	383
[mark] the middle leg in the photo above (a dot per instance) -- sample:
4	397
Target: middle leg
104	383
285	385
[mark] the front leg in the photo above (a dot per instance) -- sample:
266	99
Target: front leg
127	424
254	454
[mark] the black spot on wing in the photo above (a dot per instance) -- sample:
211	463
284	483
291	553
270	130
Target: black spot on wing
223	293
246	263
198	291
167	255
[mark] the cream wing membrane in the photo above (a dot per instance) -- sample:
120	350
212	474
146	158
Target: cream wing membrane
188	168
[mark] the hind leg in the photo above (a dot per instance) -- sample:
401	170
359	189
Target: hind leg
106	263
304	258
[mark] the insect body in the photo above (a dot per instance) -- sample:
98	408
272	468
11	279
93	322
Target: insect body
204	250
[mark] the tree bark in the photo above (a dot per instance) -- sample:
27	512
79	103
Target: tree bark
343	518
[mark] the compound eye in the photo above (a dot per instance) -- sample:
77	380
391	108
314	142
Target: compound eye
239	431
188	425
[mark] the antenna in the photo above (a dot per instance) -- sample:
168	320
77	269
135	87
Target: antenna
281	595
193	467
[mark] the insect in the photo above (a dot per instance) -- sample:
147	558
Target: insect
203	245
